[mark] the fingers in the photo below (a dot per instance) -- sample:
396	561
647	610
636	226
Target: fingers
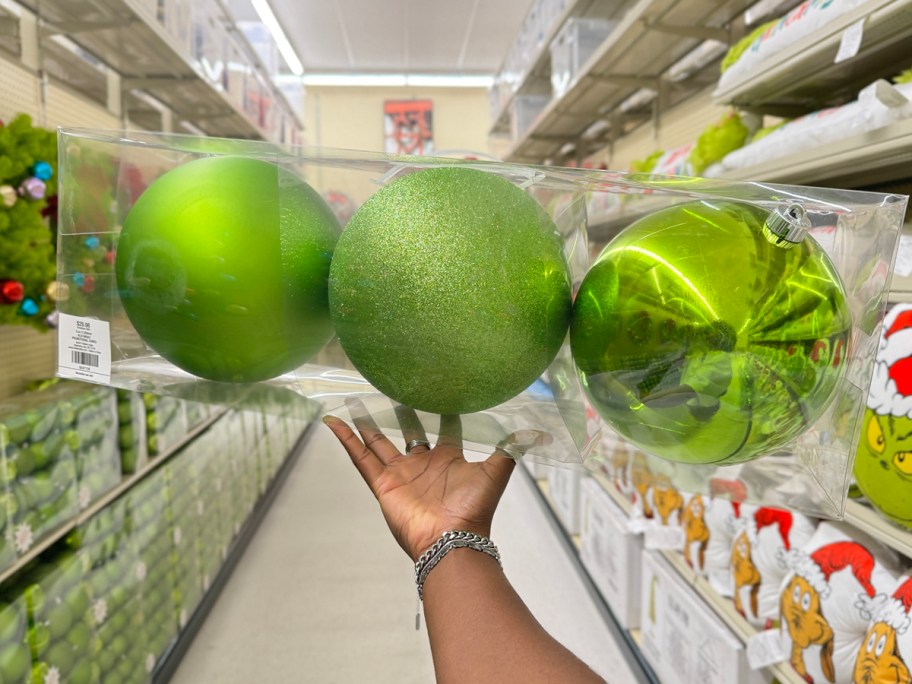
500	463
365	460
412	430
450	432
373	438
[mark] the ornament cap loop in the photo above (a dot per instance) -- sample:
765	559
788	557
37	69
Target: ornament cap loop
787	226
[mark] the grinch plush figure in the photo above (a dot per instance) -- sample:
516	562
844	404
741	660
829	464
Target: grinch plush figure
883	465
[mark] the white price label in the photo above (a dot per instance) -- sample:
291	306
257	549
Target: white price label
765	649
83	349
851	41
903	265
636	524
660	537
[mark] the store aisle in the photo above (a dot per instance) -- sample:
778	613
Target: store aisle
324	595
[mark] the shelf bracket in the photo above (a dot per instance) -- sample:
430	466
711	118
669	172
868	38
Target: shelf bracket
71	28
700	32
115	93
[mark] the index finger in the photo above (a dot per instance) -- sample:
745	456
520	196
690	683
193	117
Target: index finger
373	437
365	460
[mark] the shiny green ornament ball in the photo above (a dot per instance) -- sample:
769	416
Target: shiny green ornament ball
702	338
449	290
883	465
222	268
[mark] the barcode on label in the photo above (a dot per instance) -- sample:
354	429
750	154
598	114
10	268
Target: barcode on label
84	358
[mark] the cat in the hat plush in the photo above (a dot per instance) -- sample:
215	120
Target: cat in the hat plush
666	499
827	603
883	464
695	531
883	653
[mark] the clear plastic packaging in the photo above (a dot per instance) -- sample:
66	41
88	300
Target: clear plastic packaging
805	467
575	43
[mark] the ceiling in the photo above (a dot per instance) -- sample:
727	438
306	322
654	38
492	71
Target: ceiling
397	36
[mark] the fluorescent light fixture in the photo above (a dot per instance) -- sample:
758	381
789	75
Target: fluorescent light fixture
596	129
696	59
567	148
264	11
400	80
640	98
766	8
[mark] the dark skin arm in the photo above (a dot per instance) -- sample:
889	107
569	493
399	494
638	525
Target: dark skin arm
479	628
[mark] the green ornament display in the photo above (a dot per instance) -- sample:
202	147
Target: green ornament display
449	290
712	331
222	267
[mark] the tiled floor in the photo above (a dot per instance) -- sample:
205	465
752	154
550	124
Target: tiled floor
323	593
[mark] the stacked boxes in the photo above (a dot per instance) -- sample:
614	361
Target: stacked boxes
166	423
131	414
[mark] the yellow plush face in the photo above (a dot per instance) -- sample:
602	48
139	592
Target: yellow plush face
800	611
878	660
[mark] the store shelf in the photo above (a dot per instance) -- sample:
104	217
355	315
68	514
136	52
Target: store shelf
104	500
652	36
126	37
805	78
878	156
869	521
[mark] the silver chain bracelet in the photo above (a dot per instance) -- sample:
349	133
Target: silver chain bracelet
453	539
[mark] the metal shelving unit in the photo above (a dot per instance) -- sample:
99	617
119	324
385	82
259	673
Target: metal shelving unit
804	77
137	54
650	38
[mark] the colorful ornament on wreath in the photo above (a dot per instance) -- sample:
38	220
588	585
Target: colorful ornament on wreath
8	195
32	188
42	171
885	654
29	307
883	463
11	291
712	332
835	585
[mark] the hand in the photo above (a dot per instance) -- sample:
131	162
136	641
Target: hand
427	492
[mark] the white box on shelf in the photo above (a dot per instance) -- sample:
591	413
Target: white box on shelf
610	552
575	43
683	640
564	490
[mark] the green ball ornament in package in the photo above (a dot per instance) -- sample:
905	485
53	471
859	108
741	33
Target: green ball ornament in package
883	463
449	290
712	331
222	267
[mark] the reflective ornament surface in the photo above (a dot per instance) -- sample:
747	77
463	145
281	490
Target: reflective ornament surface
703	338
449	290
222	268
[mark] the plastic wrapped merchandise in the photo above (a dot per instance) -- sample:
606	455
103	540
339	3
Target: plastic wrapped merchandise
835	584
131	438
478	261
576	41
883	464
780	35
15	657
878	105
721	518
885	654
763	535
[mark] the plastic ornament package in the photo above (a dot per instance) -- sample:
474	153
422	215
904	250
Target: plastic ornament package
713	332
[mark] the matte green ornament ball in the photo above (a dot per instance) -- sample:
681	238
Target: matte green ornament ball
702	340
449	290
222	267
883	465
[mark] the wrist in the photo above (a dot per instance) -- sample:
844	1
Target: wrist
448	542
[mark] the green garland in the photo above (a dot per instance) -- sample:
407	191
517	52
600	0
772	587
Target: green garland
27	249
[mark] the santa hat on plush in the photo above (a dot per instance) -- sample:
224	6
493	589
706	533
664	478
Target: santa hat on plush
885	654
835	585
890	392
762	537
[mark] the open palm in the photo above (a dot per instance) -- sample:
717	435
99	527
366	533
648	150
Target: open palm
427	491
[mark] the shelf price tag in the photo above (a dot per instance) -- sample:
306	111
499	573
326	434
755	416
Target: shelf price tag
851	41
84	349
904	257
765	649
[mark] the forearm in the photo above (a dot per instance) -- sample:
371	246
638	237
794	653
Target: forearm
481	631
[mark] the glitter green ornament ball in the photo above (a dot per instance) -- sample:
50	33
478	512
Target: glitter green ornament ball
449	290
703	337
222	268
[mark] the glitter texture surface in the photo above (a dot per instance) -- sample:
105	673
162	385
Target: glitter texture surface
222	268
449	290
700	341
